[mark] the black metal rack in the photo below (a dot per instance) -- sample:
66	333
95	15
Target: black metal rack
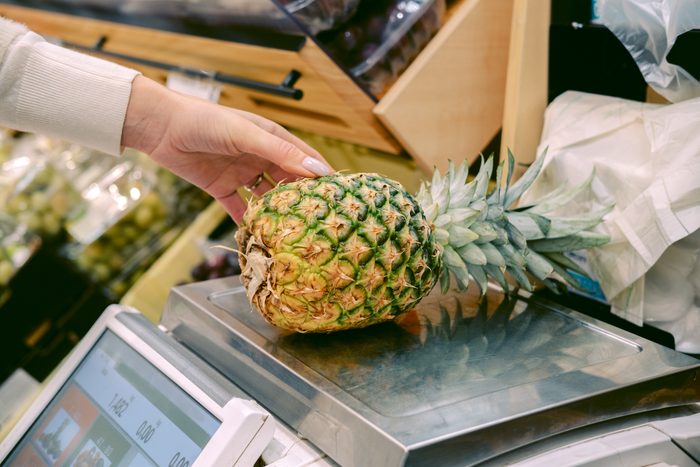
284	89
587	57
241	34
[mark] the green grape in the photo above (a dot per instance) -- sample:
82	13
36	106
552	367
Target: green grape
119	288
114	261
94	251
60	203
118	241
84	262
143	216
151	200
100	272
130	232
7	270
30	220
39	201
43	177
17	204
52	223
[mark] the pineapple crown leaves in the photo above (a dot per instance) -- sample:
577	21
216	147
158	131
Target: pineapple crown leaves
483	236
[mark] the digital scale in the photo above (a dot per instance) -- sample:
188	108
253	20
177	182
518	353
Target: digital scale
130	395
454	382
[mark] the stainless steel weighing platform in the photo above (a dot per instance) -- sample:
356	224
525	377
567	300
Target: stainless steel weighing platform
451	383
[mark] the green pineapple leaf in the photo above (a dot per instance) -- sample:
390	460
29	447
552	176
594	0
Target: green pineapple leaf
558	198
524	182
576	241
483	177
565	262
564	226
538	265
533	226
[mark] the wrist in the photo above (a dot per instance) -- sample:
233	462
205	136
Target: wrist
147	116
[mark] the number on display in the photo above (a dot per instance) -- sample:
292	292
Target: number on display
118	405
179	461
145	432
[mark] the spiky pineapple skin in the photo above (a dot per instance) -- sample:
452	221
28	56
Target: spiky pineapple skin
337	252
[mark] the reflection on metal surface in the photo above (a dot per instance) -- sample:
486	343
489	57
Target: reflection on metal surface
455	381
427	361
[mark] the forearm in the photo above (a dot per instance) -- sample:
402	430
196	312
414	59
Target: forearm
147	115
54	91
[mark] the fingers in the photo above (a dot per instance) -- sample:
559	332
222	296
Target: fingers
236	202
235	206
262	187
255	140
279	175
281	132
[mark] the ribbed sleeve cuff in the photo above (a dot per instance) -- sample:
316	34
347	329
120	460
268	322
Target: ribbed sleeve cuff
9	30
69	95
75	96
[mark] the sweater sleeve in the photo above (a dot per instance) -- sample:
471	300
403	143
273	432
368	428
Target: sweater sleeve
54	91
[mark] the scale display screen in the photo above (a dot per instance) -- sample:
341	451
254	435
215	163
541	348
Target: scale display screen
116	409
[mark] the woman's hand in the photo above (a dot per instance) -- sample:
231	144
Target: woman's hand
216	148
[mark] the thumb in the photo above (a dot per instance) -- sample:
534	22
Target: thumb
285	154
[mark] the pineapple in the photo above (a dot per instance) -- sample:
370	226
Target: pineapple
349	250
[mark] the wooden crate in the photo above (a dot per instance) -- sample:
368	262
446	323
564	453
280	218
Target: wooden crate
447	105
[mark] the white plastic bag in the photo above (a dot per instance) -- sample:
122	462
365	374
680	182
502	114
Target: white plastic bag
647	162
648	29
676	274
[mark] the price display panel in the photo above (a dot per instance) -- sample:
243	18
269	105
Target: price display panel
117	409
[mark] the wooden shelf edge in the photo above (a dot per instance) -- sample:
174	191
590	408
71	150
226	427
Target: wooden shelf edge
333	105
526	85
449	103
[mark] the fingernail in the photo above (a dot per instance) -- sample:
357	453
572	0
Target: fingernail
316	166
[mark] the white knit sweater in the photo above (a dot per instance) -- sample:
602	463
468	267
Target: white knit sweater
53	91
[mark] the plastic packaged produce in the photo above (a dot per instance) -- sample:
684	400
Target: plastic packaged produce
134	262
109	198
321	15
105	256
314	15
16	246
157	8
183	200
133	214
38	146
6	143
11	171
109	5
255	13
81	165
383	38
220	265
120	214
15	162
218	259
41	199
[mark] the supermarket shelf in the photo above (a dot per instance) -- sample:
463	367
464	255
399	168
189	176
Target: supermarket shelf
526	88
284	89
150	292
447	105
253	36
